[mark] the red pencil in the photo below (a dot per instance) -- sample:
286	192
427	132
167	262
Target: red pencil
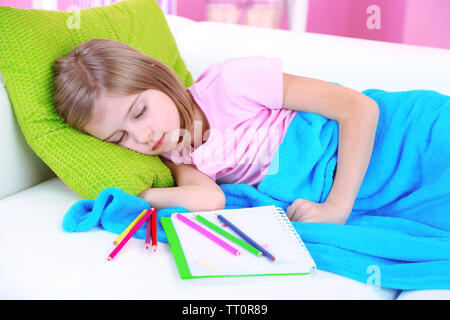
154	235
148	234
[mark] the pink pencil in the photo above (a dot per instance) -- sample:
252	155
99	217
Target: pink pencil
207	234
129	235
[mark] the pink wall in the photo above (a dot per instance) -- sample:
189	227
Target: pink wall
61	4
196	10
349	17
192	9
417	22
25	4
392	19
328	17
64	4
428	23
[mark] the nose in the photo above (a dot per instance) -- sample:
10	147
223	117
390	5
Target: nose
143	136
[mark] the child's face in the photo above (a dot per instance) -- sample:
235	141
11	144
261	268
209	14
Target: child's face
152	117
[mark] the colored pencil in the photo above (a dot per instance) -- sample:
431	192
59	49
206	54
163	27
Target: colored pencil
127	229
228	235
148	232
207	234
246	237
154	235
129	235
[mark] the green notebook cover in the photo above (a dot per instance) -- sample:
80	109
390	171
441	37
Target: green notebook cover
182	264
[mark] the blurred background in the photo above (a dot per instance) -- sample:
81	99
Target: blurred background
414	22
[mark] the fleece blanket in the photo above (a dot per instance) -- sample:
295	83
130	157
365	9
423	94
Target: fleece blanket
398	234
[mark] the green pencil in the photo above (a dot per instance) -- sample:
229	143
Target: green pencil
228	235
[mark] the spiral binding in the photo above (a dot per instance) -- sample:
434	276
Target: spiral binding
290	230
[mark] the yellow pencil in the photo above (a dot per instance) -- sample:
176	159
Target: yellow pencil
128	229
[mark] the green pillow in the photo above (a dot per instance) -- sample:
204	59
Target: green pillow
31	40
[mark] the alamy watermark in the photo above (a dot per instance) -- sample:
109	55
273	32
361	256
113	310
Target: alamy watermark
242	146
374	279
374	20
74	20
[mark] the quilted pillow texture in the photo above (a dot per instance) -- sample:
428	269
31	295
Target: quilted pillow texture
31	40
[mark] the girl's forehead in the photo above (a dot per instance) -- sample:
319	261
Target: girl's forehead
104	108
109	102
110	107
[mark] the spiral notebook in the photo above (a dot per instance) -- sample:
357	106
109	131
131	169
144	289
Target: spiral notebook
198	257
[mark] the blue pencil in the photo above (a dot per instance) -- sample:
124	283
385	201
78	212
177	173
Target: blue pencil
246	238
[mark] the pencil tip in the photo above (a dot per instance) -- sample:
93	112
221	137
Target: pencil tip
154	248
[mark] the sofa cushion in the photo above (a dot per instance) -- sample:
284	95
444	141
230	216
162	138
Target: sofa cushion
44	262
32	41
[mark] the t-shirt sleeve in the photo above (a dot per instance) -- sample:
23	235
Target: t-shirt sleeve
254	80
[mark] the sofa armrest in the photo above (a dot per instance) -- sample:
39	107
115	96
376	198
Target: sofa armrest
20	167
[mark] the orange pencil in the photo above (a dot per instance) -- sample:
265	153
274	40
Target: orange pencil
154	235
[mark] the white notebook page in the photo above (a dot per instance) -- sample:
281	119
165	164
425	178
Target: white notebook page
265	225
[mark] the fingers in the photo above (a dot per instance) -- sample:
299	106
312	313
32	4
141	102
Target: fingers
312	219
292	210
299	210
307	211
293	214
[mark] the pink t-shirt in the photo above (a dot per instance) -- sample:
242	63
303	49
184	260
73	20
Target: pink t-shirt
242	99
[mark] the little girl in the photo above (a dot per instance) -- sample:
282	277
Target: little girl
225	128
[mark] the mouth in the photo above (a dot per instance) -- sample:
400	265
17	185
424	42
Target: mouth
158	143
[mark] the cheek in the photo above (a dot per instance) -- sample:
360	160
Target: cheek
135	147
170	114
174	136
176	117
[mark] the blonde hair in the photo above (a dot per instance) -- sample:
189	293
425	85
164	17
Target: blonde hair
101	66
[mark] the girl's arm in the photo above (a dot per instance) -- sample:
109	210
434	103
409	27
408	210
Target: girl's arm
194	190
357	115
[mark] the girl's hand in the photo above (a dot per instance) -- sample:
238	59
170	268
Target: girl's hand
308	211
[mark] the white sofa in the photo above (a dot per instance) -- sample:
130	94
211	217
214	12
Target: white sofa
38	260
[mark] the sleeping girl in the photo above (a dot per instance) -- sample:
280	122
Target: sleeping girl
225	128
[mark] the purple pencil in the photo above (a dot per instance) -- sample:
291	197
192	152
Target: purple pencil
148	231
207	234
129	235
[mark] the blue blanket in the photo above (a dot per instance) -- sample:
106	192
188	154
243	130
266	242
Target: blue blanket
398	234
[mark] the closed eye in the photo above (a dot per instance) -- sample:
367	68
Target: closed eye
120	139
144	110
